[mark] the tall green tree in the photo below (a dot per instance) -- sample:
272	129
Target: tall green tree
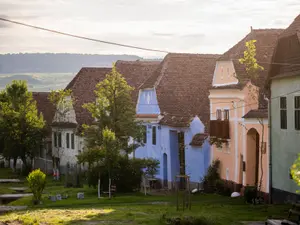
22	128
114	110
115	123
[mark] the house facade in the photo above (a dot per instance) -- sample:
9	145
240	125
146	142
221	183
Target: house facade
239	114
284	85
67	139
173	104
171	100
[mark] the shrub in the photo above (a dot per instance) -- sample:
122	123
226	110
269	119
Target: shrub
37	182
250	194
126	174
212	177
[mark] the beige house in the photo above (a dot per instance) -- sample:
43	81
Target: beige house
239	114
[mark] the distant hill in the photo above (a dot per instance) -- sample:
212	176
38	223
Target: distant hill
56	63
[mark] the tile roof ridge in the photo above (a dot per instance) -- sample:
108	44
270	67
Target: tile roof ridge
153	73
82	70
162	71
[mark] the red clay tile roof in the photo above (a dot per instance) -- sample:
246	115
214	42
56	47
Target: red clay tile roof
182	84
257	113
265	43
136	72
198	139
45	107
84	83
286	58
83	86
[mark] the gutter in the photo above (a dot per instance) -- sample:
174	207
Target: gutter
270	150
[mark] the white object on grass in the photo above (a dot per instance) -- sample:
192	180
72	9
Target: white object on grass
195	190
235	194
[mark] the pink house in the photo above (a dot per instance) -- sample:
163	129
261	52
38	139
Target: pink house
239	114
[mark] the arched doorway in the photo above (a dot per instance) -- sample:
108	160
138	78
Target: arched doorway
165	170
252	159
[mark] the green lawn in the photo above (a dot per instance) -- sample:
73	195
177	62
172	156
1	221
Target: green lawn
138	209
134	209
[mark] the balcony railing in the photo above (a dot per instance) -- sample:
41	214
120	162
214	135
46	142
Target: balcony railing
219	129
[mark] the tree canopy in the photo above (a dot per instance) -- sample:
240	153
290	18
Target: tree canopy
22	128
114	110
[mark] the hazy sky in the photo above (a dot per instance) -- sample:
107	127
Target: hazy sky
197	26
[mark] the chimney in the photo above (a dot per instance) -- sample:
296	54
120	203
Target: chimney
251	28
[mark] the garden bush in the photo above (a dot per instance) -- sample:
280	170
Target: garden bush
212	177
250	194
37	182
126	175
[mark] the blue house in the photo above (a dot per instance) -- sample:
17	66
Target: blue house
174	107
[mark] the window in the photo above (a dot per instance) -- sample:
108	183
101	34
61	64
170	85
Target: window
59	139
72	141
297	112
283	113
55	139
68	140
144	131
226	114
227	174
219	114
154	135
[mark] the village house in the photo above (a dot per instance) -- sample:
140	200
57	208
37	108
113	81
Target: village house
66	131
173	103
239	114
284	84
171	99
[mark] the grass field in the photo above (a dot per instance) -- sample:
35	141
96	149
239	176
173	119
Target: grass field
133	208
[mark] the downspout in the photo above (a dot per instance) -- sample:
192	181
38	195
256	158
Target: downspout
270	150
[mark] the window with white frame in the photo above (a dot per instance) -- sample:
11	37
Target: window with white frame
297	112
